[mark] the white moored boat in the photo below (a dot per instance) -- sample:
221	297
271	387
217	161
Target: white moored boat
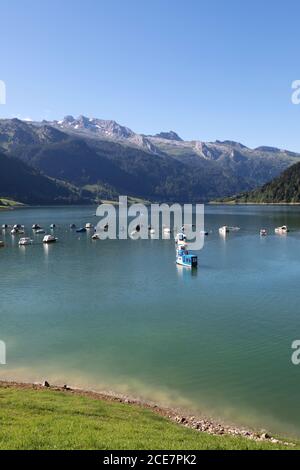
25	241
136	231
88	226
49	239
282	230
17	231
224	230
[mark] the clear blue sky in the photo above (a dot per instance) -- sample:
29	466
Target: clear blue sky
208	69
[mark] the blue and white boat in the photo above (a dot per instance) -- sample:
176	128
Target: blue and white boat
185	258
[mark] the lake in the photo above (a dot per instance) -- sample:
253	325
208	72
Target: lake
120	315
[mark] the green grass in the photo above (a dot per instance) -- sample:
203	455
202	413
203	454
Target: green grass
45	419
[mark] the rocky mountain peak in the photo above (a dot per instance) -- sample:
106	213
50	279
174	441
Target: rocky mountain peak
104	128
171	135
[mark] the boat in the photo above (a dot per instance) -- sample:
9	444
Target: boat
14	231
167	230
185	258
1	244
81	230
49	239
224	230
40	231
136	231
17	229
95	236
25	241
204	232
36	227
52	226
88	226
263	232
282	230
4	226
180	237
181	240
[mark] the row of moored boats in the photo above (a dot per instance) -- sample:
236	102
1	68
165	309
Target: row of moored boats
37	229
263	232
183	256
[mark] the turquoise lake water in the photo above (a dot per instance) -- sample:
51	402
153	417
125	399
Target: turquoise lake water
120	315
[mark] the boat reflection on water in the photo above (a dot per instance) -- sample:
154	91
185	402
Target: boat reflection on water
184	273
46	248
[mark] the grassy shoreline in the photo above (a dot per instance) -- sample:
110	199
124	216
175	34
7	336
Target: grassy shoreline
37	417
9	204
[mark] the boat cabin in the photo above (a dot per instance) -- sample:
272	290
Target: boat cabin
185	258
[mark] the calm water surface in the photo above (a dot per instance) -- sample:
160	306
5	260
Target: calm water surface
121	315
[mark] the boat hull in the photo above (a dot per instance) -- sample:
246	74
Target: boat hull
186	265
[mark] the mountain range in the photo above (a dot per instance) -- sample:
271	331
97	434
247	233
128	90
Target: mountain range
82	159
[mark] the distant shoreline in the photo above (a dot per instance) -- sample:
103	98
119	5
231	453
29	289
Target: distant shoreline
116	203
212	203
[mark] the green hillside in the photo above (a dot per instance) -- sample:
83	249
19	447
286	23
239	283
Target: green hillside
284	189
23	183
